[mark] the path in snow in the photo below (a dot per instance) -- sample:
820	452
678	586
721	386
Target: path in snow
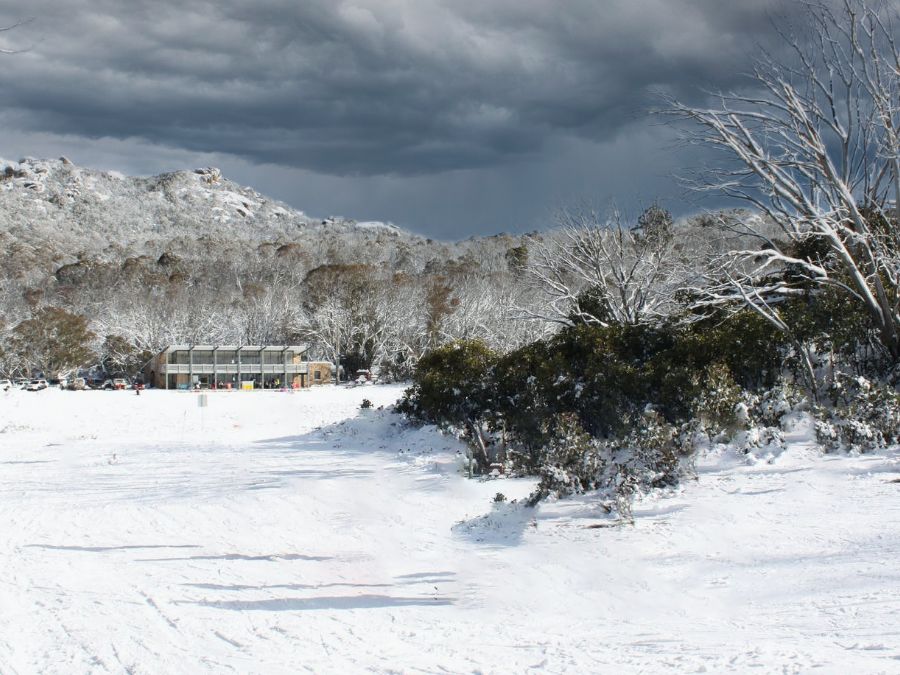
274	532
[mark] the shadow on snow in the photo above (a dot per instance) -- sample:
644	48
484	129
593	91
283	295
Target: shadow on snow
368	601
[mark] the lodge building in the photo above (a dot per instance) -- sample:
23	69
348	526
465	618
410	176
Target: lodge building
235	367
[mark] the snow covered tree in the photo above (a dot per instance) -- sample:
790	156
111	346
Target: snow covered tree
814	145
54	342
118	355
439	304
655	223
599	272
517	259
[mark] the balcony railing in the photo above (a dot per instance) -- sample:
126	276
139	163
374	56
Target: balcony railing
232	368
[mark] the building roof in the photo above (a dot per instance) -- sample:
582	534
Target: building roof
248	348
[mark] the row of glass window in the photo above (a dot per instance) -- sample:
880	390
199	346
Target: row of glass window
207	357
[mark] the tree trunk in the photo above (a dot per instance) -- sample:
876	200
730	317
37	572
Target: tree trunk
479	441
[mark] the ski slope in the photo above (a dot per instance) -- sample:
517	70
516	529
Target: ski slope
274	532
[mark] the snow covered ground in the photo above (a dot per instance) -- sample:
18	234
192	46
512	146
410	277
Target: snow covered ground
273	533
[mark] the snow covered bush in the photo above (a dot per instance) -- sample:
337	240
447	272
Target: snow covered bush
864	417
572	461
771	407
760	442
760	419
451	389
649	456
716	407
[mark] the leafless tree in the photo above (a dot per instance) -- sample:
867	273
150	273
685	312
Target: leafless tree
601	272
814	145
488	309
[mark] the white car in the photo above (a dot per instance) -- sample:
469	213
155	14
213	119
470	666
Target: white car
5	385
36	385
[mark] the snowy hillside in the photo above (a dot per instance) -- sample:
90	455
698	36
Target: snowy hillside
54	213
275	532
56	203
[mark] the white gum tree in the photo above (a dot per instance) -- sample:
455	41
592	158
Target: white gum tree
814	145
600	272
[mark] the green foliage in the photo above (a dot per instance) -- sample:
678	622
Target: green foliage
439	304
745	343
593	303
451	385
598	407
575	462
655	224
608	375
832	320
517	259
452	389
527	384
620	408
651	457
53	342
715	407
769	407
599	378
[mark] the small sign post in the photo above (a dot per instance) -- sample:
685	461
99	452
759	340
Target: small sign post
202	403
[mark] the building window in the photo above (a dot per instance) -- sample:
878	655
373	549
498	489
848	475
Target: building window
250	357
203	357
317	375
226	356
180	357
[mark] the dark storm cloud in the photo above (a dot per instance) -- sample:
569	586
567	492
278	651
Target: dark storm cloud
368	88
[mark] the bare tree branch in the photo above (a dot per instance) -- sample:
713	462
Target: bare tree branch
815	147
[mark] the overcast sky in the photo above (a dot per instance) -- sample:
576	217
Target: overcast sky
448	117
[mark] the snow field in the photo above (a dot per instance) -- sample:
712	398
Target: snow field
279	532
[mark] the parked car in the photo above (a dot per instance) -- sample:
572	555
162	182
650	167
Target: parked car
36	385
78	384
5	385
21	383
